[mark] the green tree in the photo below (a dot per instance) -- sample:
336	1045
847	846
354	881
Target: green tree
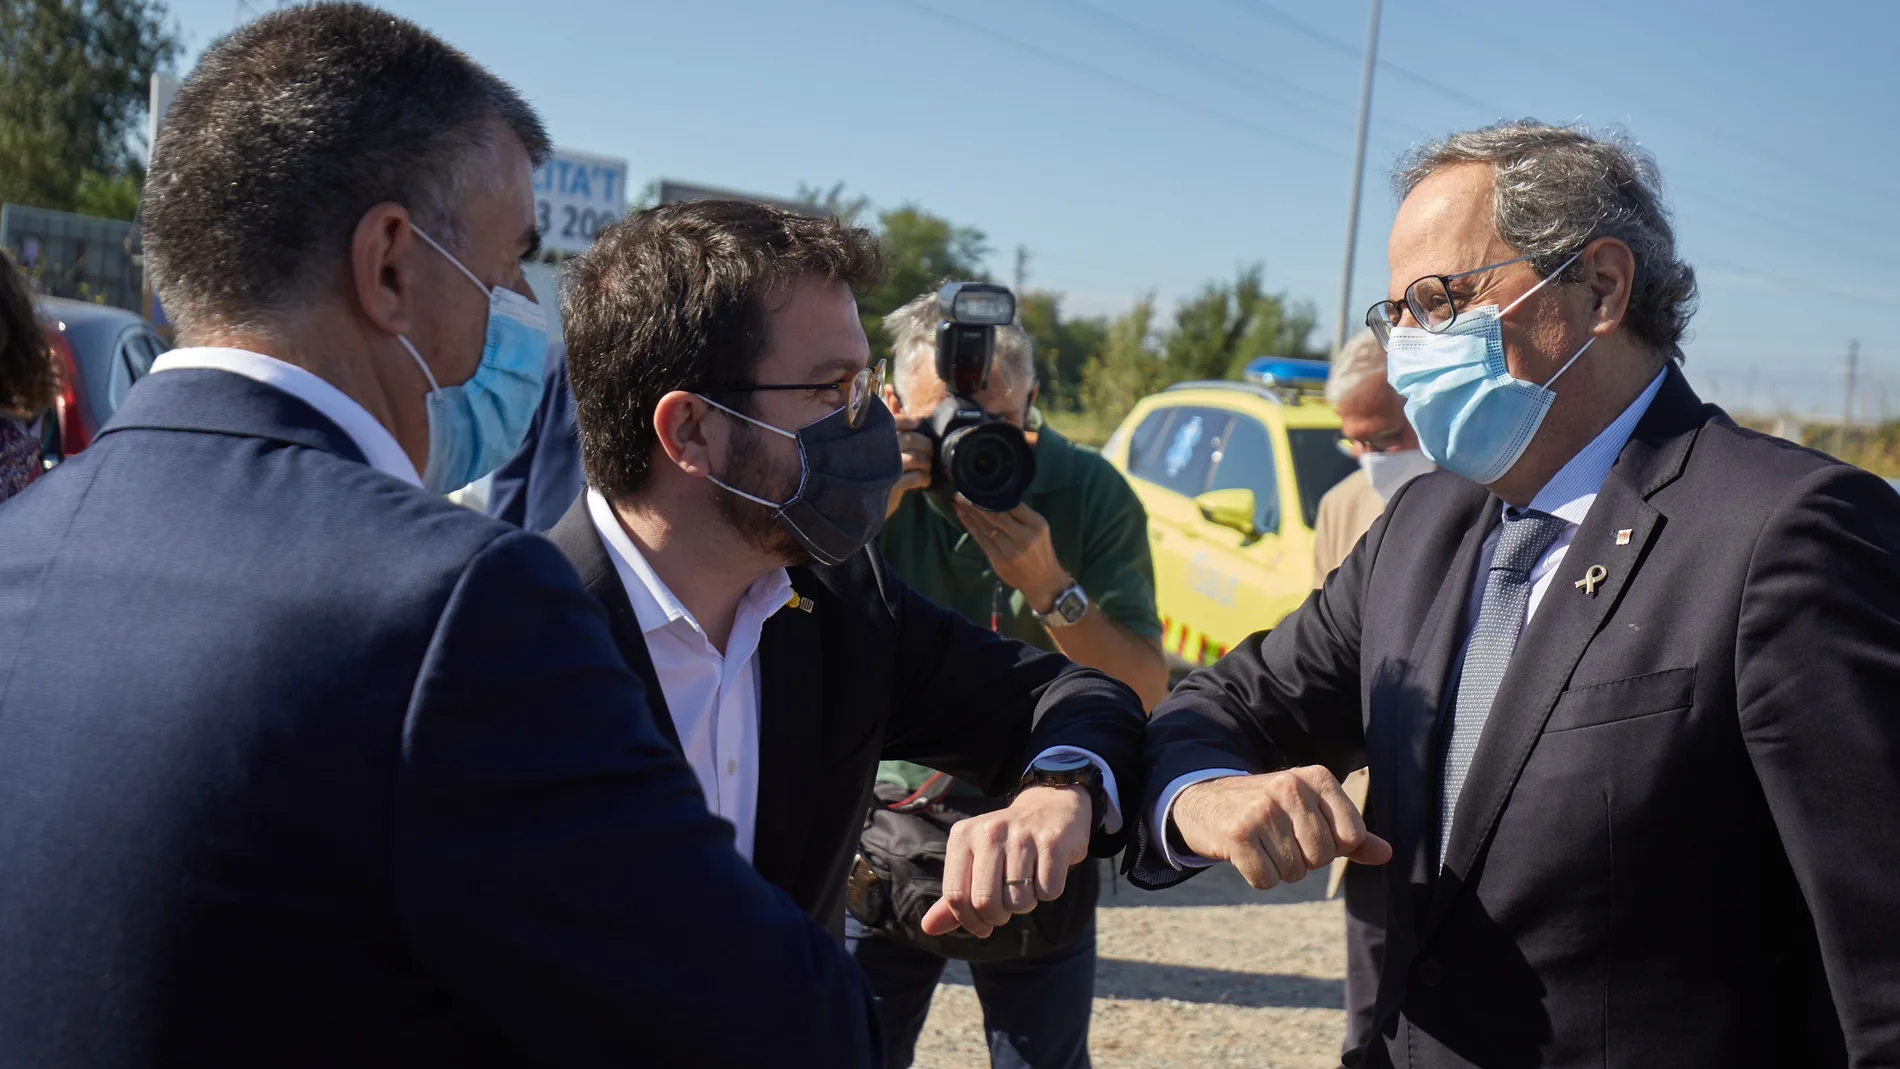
1128	367
921	251
74	80
1063	346
1213	336
834	201
1218	330
107	198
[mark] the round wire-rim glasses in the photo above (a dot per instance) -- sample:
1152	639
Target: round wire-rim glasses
1429	300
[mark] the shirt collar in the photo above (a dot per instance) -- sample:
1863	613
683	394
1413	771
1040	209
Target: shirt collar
377	445
1570	493
654	605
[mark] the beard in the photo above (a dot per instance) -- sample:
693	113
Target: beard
751	469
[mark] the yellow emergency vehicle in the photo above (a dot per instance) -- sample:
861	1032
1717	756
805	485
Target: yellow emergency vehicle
1231	474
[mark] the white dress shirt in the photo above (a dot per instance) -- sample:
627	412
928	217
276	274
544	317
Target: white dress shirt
372	439
712	697
1568	496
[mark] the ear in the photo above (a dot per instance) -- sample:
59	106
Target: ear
891	400
1608	271
1035	391
684	426
383	270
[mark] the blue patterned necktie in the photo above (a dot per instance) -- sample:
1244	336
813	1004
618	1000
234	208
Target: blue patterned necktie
1527	535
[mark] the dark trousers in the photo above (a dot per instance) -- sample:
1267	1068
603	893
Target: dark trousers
1036	1011
1365	950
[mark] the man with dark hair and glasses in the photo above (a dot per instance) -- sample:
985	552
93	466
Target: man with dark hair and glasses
300	763
1623	672
739	463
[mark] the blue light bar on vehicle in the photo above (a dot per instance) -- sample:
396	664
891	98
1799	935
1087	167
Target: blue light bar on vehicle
1287	373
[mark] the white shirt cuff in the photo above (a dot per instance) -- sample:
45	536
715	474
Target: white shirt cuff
1111	820
1164	808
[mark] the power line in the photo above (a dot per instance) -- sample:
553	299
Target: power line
1198	56
1280	137
975	30
1744	141
1753	216
1261	9
1243	77
1209	64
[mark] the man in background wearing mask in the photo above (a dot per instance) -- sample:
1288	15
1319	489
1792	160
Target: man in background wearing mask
1372	425
739	461
1624	673
301	764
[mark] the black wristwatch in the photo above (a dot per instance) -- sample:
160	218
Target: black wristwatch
1067	608
1069	770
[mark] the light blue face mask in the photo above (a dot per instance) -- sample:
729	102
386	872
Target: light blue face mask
475	427
1472	416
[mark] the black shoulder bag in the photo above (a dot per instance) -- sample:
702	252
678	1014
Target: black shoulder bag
898	875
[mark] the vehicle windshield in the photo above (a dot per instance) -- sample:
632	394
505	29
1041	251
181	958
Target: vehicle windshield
1318	465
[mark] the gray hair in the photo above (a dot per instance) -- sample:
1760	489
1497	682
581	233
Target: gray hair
1556	189
1362	360
913	331
292	128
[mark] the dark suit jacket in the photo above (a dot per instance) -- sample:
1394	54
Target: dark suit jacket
875	672
300	765
532	491
1676	844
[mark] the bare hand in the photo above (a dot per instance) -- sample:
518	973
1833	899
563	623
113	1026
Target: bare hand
1277	826
1020	553
1003	863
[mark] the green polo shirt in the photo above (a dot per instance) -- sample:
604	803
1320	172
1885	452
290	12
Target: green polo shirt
1096	524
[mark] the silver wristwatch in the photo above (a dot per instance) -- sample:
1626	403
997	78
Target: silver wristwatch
1068	607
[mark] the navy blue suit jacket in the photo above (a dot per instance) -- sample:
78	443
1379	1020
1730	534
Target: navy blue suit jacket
534	489
300	765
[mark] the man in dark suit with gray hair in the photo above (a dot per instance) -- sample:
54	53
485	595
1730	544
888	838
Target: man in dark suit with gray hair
1626	683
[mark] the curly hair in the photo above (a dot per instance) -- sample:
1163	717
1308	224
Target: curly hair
27	379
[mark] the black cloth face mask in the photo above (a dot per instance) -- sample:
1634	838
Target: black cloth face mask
846	475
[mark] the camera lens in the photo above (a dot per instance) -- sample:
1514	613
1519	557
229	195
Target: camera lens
990	463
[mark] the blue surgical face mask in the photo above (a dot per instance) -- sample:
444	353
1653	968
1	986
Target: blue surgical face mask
476	426
1472	416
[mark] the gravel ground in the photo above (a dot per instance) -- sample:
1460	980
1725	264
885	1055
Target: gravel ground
1212	973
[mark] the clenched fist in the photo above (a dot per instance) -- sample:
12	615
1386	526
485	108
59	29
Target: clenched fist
1275	827
1003	863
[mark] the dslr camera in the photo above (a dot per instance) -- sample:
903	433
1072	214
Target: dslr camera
982	457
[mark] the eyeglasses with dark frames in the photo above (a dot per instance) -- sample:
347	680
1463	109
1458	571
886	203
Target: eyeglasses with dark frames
1430	301
861	391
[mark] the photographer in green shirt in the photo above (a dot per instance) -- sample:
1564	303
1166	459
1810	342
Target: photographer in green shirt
1068	569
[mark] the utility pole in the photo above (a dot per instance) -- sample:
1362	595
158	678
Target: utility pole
1022	269
1358	173
1853	360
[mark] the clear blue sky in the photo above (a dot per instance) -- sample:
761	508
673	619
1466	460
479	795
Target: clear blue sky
1137	147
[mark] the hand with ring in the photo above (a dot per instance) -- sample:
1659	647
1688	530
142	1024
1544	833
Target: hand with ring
1003	863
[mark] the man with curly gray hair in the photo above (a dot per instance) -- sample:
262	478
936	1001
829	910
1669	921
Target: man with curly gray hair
1623	672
